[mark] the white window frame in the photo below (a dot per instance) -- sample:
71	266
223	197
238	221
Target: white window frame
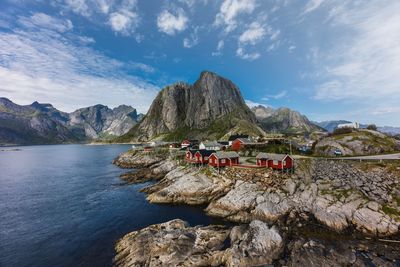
275	162
223	161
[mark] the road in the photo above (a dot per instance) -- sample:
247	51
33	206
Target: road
378	157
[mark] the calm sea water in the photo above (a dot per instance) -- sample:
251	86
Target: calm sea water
64	205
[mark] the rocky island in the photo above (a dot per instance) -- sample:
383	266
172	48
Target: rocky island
323	210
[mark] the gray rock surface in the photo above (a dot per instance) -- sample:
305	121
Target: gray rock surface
192	109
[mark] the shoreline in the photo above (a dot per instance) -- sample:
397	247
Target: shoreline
267	200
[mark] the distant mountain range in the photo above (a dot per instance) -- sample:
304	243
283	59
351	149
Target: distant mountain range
330	126
43	124
283	120
211	108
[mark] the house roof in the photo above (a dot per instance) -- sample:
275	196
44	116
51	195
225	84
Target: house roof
272	156
205	153
236	136
224	143
211	144
244	140
226	155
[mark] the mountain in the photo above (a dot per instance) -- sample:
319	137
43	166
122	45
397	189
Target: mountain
389	130
40	123
212	107
101	121
330	126
283	120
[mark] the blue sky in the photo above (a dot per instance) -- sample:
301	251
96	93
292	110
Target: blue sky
328	59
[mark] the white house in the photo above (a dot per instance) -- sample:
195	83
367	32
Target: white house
354	125
212	145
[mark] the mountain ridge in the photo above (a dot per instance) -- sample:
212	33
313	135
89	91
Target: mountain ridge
41	123
210	108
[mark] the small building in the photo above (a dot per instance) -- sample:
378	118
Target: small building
210	145
240	143
352	125
222	159
186	143
275	161
202	156
189	155
236	136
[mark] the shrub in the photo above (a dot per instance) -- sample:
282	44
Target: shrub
372	127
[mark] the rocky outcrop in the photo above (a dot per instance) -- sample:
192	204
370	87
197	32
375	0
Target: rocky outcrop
43	124
283	120
357	142
210	108
337	194
174	243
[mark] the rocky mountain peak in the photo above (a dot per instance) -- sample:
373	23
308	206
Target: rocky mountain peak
187	108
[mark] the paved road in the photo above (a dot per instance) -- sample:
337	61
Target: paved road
378	157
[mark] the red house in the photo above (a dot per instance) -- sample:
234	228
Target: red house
222	159
186	143
275	161
239	143
202	156
189	156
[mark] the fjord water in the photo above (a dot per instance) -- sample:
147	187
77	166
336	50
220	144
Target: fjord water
64	205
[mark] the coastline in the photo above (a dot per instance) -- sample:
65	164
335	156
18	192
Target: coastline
270	201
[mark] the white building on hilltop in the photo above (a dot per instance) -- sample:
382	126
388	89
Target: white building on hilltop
353	125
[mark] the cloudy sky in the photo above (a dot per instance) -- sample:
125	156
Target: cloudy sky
329	59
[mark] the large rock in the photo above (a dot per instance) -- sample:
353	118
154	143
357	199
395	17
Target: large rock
188	186
174	243
254	245
209	108
171	244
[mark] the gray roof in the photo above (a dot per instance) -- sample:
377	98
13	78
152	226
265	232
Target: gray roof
226	155
211	144
271	156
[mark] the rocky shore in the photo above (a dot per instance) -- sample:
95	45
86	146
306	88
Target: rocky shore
340	197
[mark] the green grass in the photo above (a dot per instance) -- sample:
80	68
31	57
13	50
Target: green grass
390	211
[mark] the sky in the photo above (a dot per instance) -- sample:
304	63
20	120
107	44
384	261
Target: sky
328	59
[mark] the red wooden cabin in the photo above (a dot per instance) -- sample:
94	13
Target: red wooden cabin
202	156
240	143
189	156
222	159
275	161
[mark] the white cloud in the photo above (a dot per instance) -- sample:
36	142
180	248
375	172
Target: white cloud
275	96
44	21
220	47
254	34
170	23
240	52
364	66
193	40
230	10
49	66
79	6
124	21
312	5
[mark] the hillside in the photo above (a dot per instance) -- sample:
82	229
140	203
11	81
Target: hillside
210	108
357	142
43	124
283	120
330	126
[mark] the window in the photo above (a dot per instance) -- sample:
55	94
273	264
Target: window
275	162
205	158
222	161
284	163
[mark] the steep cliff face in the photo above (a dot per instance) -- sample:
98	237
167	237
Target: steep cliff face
212	107
43	124
283	120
